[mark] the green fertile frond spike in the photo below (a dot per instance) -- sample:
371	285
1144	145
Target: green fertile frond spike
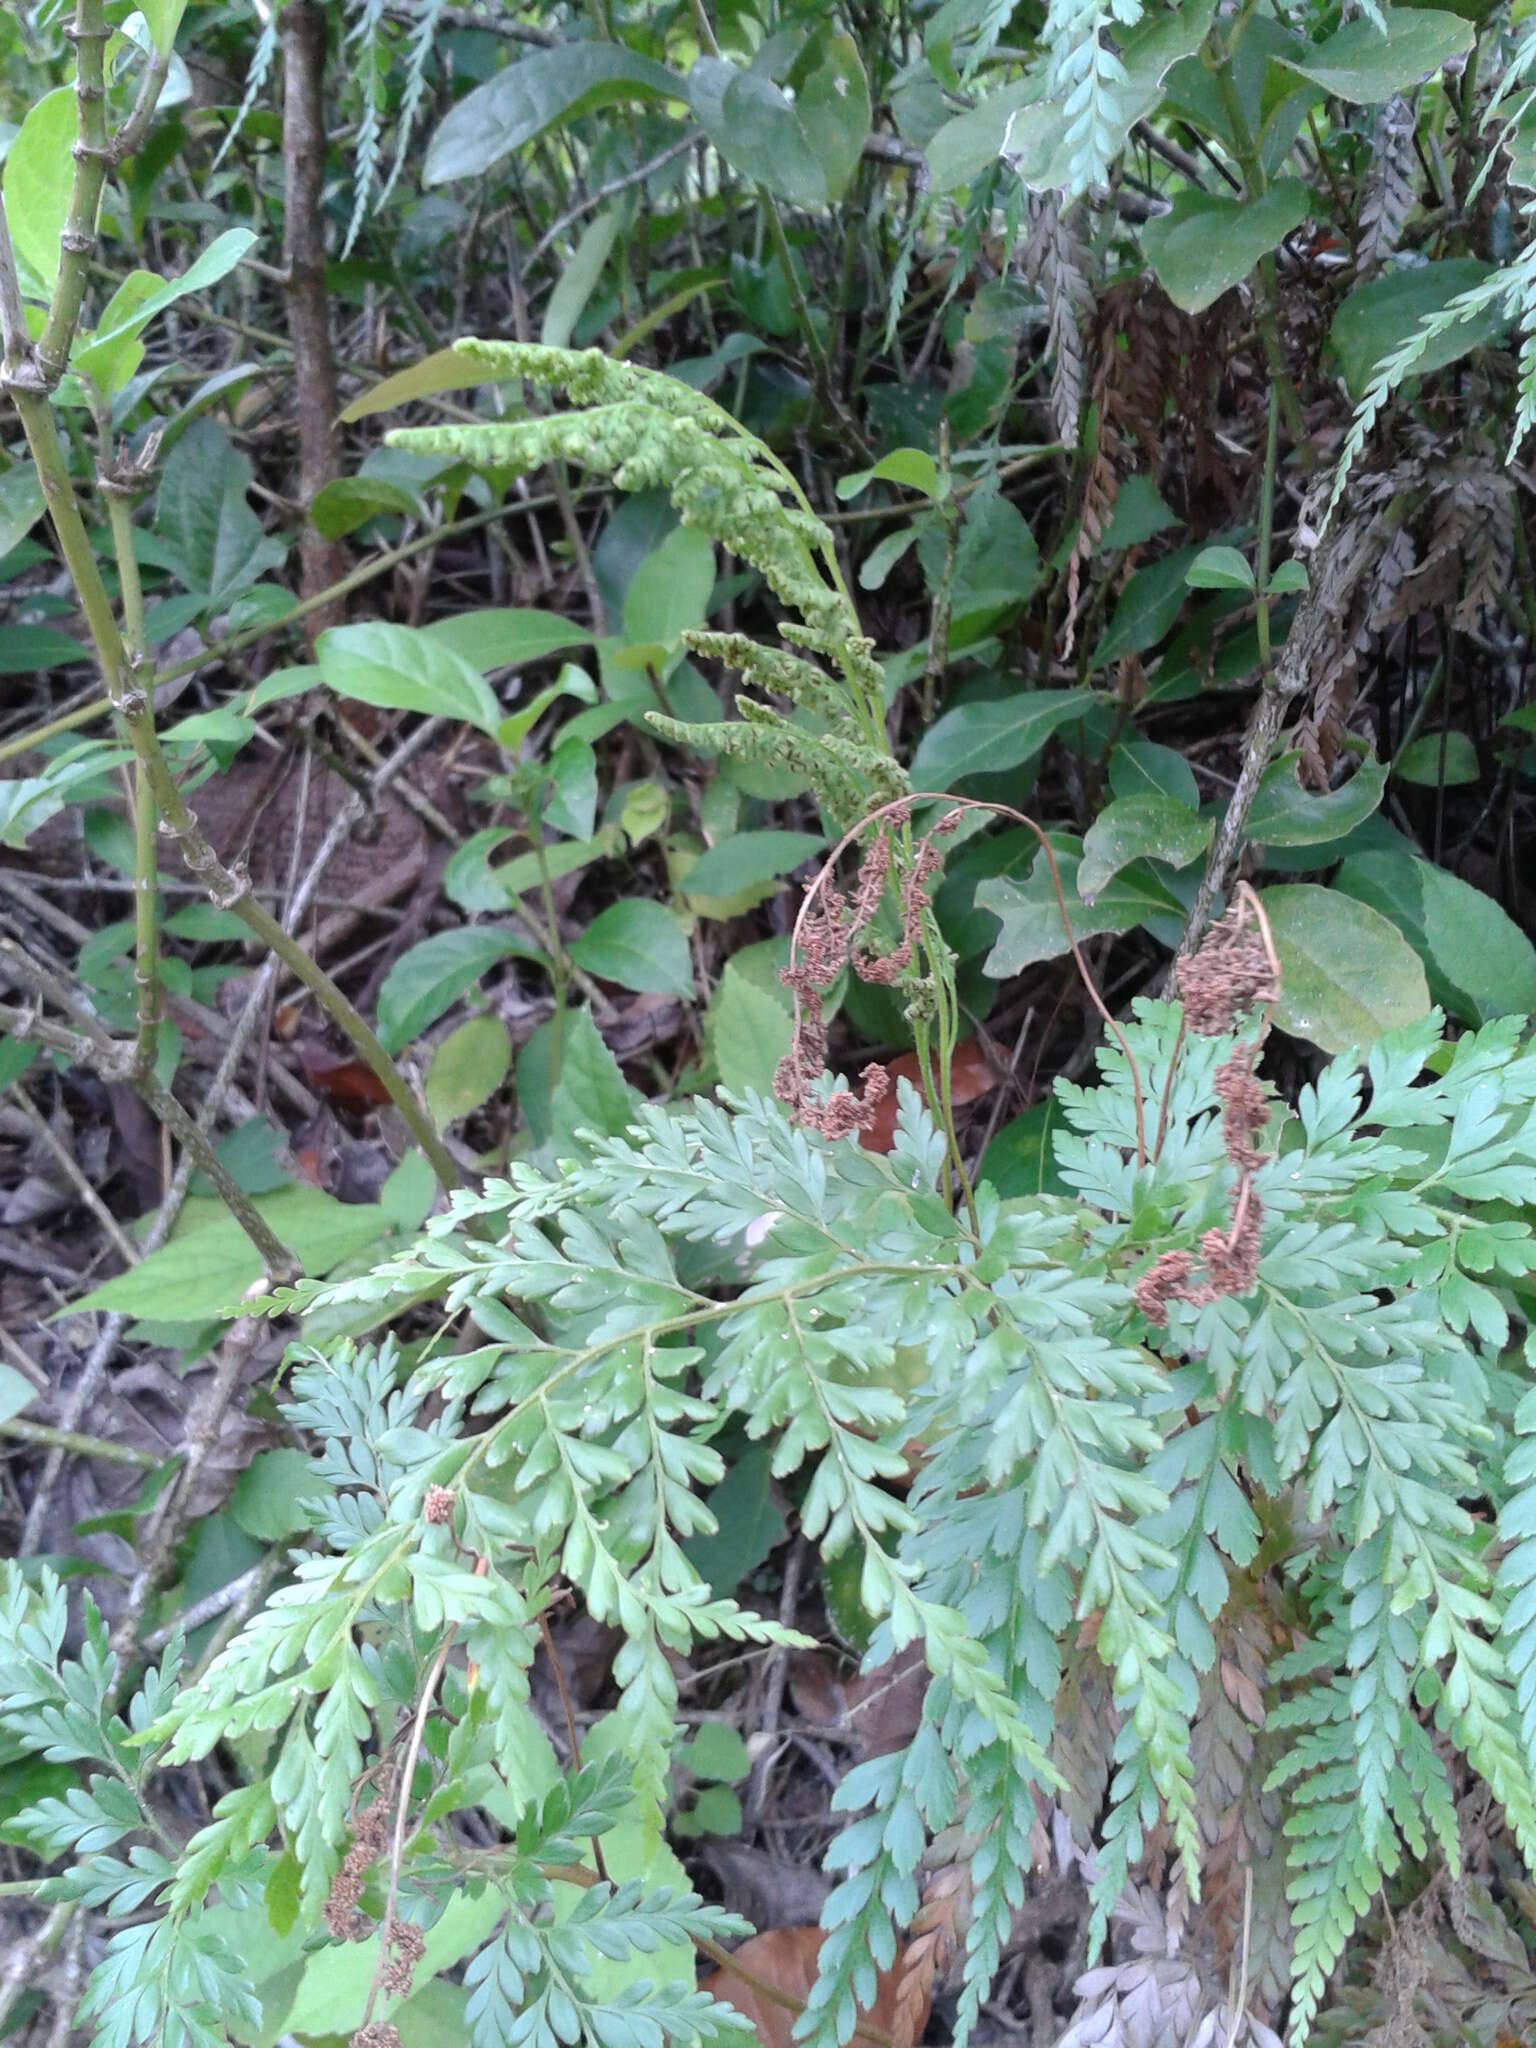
648	431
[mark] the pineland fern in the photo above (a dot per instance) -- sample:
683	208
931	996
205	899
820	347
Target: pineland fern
1248	1382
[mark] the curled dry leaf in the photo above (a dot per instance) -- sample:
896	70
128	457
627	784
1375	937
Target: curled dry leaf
340	1077
785	1960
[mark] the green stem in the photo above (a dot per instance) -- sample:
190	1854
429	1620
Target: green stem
228	890
559	965
72	1440
145	965
1256	184
93	152
236	643
937	660
86	1048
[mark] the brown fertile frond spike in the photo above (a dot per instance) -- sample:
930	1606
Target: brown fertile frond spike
1233	971
926	863
407	1945
811	949
1165	1280
370	1838
378	2034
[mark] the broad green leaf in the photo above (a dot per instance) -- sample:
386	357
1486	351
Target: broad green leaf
268	1498
716	1753
1289	579
1139	828
506	639
968	144
332	1994
1219	568
589	1093
1361	65
1147	608
640	945
885	554
670	590
1143	768
348	502
1210	242
579	279
563	857
429	978
404	669
1031	917
110	356
16	1392
467	1068
39	174
1436	758
996	567
751	1526
209	1262
747	858
747	1029
163	18
643	809
444	370
29	801
993	734
21	505
205	519
570	805
1347	975
803	150
1285	814
283	682
1020	1160
832	106
1138	515
913	468
1478	962
521	102
1380	314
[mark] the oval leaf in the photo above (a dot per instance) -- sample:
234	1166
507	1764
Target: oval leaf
1139	828
1285	814
1219	568
1208	243
747	858
1347	975
992	735
518	104
1031	917
1478	962
1436	758
639	945
429	978
402	669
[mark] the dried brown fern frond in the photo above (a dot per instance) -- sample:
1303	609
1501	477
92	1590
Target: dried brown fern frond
1141	344
933	1942
1233	972
1055	260
1390	188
